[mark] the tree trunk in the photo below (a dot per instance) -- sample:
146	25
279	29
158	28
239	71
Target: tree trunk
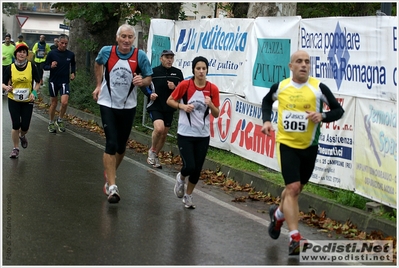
268	9
86	45
287	9
78	32
171	10
240	10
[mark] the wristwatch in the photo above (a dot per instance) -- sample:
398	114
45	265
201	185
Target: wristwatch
323	115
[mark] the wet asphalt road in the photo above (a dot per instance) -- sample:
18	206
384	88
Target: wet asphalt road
55	213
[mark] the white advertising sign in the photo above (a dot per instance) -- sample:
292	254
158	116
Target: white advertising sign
335	156
355	56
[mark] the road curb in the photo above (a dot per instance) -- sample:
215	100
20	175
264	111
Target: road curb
364	221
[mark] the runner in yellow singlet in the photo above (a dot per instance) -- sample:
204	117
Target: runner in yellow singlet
300	111
21	81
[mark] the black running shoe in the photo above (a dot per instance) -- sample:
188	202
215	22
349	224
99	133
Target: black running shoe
275	225
296	244
24	141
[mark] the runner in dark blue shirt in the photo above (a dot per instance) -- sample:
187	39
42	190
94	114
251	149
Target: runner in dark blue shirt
62	65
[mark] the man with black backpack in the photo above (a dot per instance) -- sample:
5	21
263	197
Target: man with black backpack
119	71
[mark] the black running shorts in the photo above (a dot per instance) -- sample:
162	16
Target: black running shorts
296	164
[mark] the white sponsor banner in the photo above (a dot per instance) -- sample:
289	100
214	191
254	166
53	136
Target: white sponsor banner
160	37
225	44
334	163
238	129
375	161
273	41
354	56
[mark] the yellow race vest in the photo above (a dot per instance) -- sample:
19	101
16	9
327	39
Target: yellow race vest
293	129
21	82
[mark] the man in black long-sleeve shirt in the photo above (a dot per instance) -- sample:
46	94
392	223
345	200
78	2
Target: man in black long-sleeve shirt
62	65
165	78
300	113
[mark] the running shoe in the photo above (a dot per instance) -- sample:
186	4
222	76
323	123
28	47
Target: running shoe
188	201
179	186
296	244
114	196
14	153
151	157
157	163
106	186
24	141
60	126
275	225
51	128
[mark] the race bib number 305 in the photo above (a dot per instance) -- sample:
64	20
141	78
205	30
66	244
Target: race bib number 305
295	121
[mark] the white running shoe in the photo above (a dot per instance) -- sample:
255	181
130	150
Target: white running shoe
179	186
188	201
113	196
151	157
14	153
106	186
157	163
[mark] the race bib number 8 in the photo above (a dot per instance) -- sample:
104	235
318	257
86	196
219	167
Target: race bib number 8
295	121
21	94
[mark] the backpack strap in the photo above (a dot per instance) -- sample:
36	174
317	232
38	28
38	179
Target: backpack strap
134	64
114	58
210	95
185	99
133	60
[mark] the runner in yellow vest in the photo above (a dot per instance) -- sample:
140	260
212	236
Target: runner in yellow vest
21	41
40	51
299	114
18	83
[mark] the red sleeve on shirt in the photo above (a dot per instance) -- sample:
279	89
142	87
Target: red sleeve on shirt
179	91
215	95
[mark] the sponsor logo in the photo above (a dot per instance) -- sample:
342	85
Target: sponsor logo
290	106
224	120
361	251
